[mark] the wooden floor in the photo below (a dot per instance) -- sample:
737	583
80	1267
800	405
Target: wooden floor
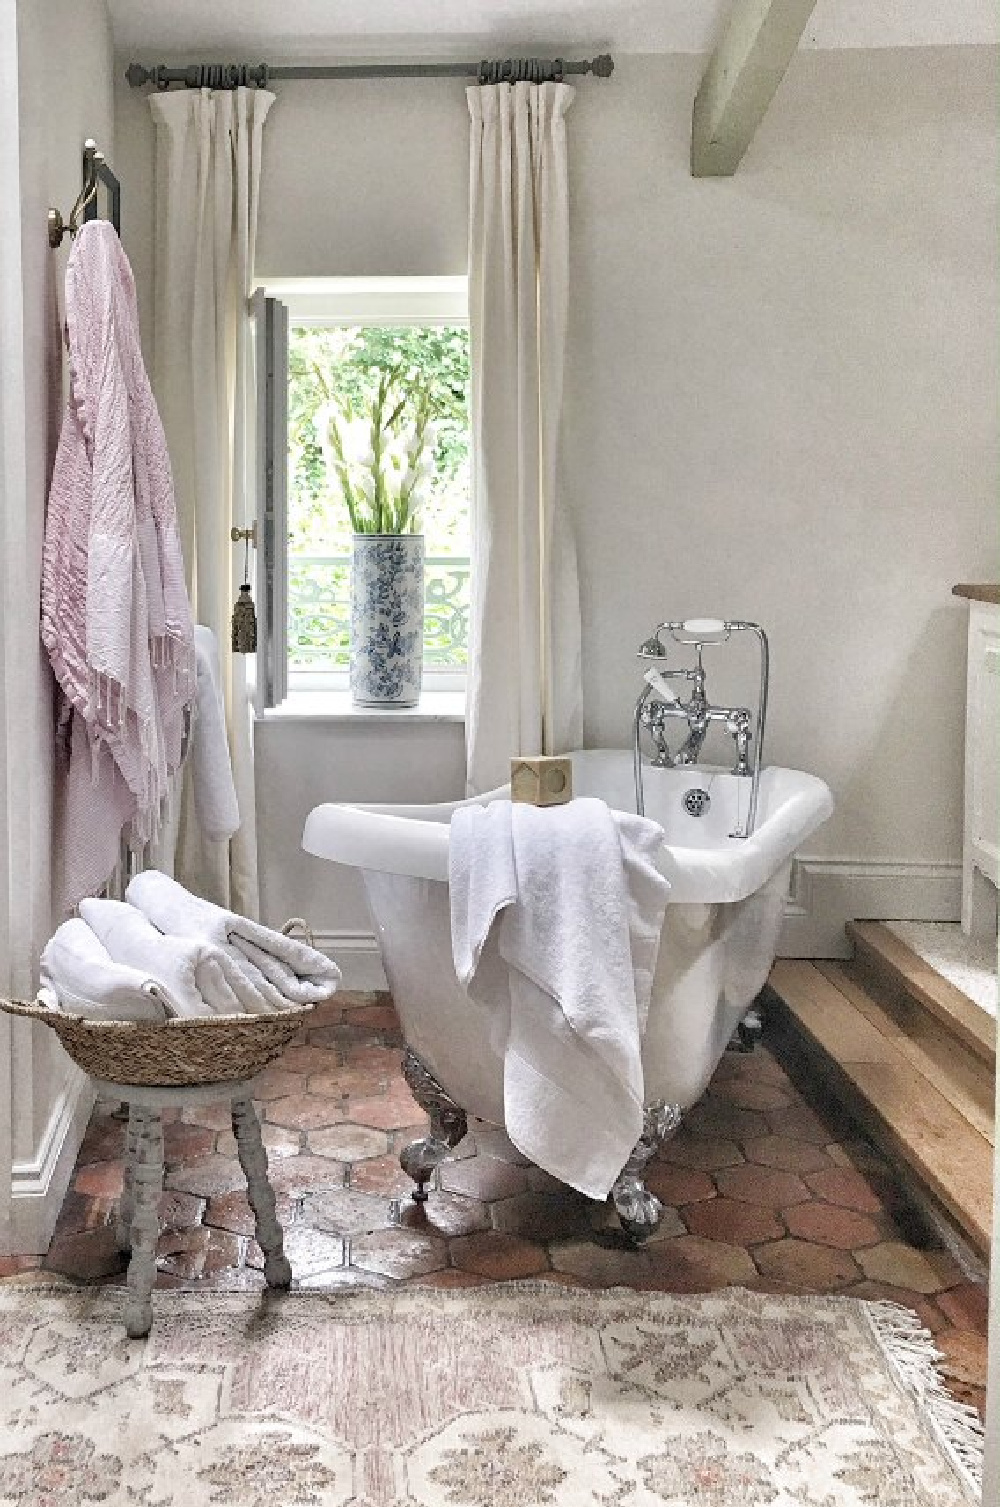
912	1060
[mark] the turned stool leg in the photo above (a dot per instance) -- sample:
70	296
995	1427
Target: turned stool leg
253	1160
147	1185
126	1206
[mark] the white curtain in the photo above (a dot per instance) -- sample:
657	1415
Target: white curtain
208	149
525	694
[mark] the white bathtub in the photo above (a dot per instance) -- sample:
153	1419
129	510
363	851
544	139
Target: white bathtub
719	937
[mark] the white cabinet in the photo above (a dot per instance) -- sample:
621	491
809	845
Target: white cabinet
981	847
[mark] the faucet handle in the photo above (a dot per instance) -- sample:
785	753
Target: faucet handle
658	680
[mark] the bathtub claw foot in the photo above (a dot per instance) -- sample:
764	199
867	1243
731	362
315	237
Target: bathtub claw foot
448	1125
639	1211
749	1031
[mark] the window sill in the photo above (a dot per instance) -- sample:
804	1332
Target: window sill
337	706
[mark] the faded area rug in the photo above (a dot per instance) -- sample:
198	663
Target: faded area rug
521	1395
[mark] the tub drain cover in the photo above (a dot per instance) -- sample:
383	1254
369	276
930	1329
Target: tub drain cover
697	802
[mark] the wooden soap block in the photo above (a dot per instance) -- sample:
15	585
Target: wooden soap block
542	781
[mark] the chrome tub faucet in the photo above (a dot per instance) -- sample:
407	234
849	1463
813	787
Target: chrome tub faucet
659	705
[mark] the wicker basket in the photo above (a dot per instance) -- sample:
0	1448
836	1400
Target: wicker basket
178	1053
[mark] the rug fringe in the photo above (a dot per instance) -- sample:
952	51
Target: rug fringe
910	1348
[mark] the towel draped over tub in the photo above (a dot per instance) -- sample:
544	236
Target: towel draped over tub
558	913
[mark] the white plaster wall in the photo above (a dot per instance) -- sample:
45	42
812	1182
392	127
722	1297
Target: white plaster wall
781	401
64	95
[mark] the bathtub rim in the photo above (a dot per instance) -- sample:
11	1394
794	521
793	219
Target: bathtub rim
413	840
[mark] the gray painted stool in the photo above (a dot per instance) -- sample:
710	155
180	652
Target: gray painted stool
138	1221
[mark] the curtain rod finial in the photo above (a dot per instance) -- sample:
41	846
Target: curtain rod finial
603	66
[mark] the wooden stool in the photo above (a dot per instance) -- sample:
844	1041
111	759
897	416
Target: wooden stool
138	1221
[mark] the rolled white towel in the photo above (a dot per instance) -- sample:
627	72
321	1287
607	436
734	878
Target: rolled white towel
300	973
215	803
80	974
198	975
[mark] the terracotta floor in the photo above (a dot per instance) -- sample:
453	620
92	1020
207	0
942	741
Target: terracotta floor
761	1188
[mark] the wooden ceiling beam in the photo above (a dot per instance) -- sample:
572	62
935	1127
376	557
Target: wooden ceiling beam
741	79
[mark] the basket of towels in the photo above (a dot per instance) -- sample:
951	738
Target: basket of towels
168	989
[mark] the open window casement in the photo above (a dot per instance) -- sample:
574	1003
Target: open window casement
270	319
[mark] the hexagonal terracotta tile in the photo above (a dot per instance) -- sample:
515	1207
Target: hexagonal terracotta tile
733	1222
348	1143
828	1224
298	1175
446	1214
104	1141
484	1177
309	1250
450	1277
769	1187
900	1265
752	1093
207	1176
214	1116
378	1017
390	1112
816	1268
846	1187
382	1174
790	1155
717	1118
607	1265
690	1263
194	1253
801	1123
678	1185
496	1255
544	1216
706	1153
278	1141
277	1083
966	1306
102	1179
310	1059
304	1112
399	1253
342	1211
87	1256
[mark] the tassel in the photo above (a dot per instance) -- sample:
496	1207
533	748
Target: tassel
245	623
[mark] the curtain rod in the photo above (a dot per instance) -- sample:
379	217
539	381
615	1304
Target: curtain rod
237	75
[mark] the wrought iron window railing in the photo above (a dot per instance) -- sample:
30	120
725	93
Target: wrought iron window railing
319	612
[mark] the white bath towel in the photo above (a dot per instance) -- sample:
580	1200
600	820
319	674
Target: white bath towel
295	973
569	900
77	969
196	974
215	803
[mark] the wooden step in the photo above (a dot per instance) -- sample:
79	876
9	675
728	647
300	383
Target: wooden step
887	959
928	1110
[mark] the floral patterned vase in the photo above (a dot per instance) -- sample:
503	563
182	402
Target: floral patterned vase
387	619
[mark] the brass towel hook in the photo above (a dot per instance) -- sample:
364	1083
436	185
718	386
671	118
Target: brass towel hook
250	534
93	159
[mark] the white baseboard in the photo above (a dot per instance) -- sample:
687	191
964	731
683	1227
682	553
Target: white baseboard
357	955
828	892
38	1186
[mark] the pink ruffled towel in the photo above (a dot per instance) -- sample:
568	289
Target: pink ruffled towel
116	619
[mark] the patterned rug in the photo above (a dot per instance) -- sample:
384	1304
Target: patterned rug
524	1395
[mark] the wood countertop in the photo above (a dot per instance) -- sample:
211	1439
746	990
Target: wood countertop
985	593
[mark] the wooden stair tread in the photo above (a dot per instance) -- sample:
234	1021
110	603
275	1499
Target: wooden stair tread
906	1110
960	1076
880	950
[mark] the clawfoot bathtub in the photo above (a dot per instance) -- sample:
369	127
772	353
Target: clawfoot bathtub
717	946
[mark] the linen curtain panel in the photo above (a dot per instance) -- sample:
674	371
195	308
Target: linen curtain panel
525	693
208	150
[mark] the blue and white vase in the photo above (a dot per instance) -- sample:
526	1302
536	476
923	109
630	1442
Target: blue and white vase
387	619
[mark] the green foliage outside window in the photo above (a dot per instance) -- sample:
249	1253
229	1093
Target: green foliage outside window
339	371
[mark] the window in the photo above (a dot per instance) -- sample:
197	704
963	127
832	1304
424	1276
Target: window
344	338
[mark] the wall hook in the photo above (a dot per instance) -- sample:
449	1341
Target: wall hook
93	160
